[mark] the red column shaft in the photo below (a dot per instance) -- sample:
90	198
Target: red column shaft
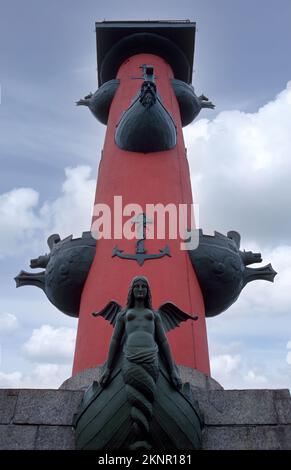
160	177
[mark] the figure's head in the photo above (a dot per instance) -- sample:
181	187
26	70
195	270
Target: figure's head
139	289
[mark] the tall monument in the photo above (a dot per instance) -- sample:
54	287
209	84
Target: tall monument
143	161
176	279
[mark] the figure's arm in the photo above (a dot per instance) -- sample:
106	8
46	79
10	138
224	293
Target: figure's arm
164	347
113	349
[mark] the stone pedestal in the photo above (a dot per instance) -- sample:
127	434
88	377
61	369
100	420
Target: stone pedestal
234	419
197	379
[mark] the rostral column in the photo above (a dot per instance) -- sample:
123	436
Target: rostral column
144	98
128	54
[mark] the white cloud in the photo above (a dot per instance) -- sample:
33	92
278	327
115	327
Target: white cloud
24	223
288	358
225	364
19	219
42	376
255	380
273	299
51	345
48	375
240	167
249	370
257	328
8	323
72	211
263	308
10	380
264	298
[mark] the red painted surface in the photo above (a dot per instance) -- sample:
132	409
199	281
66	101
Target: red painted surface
161	177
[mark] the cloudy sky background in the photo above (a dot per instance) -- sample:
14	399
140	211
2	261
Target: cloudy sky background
239	157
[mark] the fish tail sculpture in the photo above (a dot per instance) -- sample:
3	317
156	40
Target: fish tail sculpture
30	279
266	273
140	374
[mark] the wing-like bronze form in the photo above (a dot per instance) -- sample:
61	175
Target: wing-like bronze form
172	316
109	312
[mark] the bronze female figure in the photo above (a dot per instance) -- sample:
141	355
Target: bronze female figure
139	336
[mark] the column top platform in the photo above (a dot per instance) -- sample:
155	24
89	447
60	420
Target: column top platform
173	40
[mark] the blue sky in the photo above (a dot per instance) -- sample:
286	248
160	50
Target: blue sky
239	159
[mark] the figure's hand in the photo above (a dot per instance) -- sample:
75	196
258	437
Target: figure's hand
105	377
176	381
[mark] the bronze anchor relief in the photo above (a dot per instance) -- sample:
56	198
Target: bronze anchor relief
141	254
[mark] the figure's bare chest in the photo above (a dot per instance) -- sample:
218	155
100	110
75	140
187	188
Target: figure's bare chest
133	315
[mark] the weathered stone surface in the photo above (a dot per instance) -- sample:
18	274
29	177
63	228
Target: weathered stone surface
53	407
55	438
234	419
196	378
247	438
8	399
283	406
82	380
221	407
14	437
